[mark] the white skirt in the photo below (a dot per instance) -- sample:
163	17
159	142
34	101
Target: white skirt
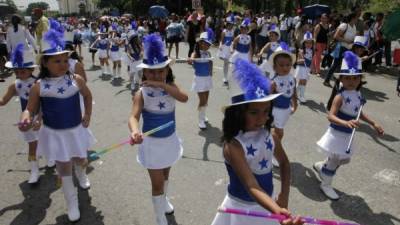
224	52
266	68
159	153
239	55
302	73
62	145
281	116
234	219
30	135
102	53
133	66
336	142
115	56
202	84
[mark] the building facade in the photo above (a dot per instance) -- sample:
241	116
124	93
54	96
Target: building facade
76	6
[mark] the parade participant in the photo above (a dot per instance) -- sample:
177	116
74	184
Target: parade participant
63	136
103	45
269	48
304	60
41	27
22	62
92	36
134	54
345	106
17	34
321	32
115	53
224	51
203	68
155	102
248	149
241	46
175	33
283	82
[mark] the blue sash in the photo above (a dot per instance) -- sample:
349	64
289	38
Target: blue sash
282	102
227	40
346	117
242	48
154	120
114	48
24	103
202	69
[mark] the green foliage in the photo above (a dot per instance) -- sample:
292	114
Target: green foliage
31	6
383	5
8	8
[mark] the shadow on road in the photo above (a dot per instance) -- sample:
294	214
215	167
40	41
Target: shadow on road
373	95
365	128
354	208
36	200
213	136
171	220
314	106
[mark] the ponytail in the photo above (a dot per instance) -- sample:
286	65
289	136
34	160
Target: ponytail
335	90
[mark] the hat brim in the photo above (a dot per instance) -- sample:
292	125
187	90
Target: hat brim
348	74
265	99
56	53
157	66
274	54
278	33
10	66
302	41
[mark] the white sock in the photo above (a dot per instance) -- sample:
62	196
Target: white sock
118	71
102	69
114	72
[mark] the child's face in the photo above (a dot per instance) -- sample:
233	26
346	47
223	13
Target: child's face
350	82
243	30
308	44
273	36
359	51
23	74
256	115
57	65
156	74
282	65
204	46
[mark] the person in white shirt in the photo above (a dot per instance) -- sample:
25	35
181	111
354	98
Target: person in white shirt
17	33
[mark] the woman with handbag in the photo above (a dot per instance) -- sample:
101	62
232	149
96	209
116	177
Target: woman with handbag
321	33
344	36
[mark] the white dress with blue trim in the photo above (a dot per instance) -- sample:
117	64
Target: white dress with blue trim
266	66
336	138
115	53
163	148
202	70
62	135
282	104
224	52
258	147
302	71
102	46
23	87
242	48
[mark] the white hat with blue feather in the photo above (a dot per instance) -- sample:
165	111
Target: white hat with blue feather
351	65
21	58
207	36
282	49
53	42
155	56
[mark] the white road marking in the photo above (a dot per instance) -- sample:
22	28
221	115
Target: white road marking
388	176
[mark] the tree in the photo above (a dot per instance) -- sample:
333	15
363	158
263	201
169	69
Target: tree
31	6
121	5
383	5
6	8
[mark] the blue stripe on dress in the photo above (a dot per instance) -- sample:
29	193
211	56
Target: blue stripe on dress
154	120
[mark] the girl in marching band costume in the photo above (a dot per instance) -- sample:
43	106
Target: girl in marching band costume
283	82
115	53
155	102
269	48
224	51
103	46
344	109
248	150
203	67
304	60
241	46
134	53
22	62
63	136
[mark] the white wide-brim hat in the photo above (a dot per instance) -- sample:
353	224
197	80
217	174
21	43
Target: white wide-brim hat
204	37
279	51
154	53
351	65
275	29
307	37
361	41
53	43
28	62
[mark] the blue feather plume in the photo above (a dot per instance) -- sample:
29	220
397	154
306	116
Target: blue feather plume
308	35
246	22
114	26
272	27
55	25
284	46
133	25
232	16
210	35
250	79
102	29
351	60
54	39
153	47
17	56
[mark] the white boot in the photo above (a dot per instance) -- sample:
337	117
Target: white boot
169	208
202	122
301	91
118	72
159	209
114	73
71	197
82	177
326	182
34	177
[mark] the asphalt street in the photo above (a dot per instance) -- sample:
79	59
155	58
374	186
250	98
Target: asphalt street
121	193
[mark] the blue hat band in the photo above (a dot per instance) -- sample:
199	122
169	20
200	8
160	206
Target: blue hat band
238	98
351	71
155	61
28	64
359	43
53	50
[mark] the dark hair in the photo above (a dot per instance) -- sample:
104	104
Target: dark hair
15	20
134	42
336	89
73	54
44	71
350	16
170	76
282	55
235	121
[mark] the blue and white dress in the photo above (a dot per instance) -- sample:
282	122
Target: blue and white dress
23	87
336	138
163	148
102	47
62	135
202	72
266	66
224	52
303	69
115	52
242	48
282	104
258	147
